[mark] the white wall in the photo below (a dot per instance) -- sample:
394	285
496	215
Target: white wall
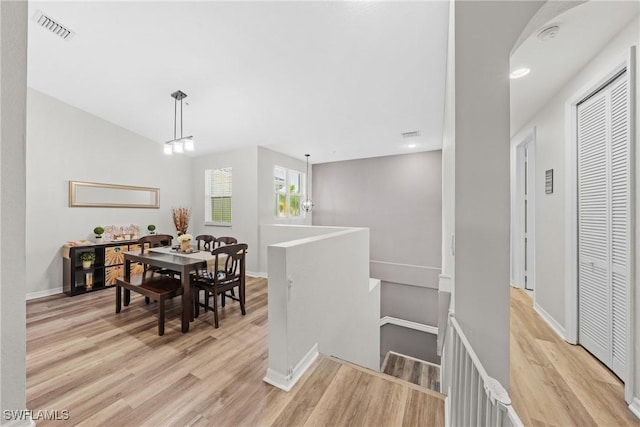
271	234
319	293
549	123
65	143
244	213
13	82
485	32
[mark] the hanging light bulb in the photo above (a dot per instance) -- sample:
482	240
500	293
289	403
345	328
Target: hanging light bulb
178	147
307	205
189	144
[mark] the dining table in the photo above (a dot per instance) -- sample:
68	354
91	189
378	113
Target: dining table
171	259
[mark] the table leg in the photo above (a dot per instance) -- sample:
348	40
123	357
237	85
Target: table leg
187	307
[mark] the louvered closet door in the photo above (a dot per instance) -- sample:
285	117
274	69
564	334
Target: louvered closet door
603	223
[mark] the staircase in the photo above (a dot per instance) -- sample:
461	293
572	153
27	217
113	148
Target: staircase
410	369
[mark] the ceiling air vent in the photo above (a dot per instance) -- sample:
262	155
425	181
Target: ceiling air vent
52	25
411	134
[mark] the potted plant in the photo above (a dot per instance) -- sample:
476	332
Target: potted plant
98	231
87	259
151	228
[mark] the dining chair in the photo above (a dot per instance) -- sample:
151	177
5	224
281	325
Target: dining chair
225	240
154	241
228	275
205	242
221	241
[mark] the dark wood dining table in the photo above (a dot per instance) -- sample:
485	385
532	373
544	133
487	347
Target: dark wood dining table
182	264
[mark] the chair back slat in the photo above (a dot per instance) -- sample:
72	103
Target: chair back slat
225	240
233	263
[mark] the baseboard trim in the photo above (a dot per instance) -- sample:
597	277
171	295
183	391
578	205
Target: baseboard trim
254	274
286	382
388	320
559	330
634	407
45	293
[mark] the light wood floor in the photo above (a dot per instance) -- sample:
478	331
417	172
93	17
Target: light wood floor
417	372
109	369
554	383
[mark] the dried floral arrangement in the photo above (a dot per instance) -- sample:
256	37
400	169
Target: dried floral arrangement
181	219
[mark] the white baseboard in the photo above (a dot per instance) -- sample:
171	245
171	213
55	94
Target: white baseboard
254	274
286	382
557	328
388	320
45	293
635	407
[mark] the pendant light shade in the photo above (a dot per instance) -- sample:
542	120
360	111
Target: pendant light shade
184	143
307	205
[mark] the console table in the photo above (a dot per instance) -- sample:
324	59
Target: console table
106	269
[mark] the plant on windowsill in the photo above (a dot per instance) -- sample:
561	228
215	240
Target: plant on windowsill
87	259
98	231
151	228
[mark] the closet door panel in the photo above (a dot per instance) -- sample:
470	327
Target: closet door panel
594	296
620	218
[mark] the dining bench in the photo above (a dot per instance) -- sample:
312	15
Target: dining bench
157	287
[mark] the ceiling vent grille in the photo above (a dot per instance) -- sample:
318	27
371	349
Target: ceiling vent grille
52	25
411	134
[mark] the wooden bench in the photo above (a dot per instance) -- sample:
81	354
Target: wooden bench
158	288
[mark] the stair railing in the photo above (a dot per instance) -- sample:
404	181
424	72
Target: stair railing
474	398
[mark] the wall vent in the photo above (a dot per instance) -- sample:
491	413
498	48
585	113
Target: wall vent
52	25
411	134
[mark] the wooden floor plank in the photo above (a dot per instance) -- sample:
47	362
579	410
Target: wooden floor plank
554	383
111	369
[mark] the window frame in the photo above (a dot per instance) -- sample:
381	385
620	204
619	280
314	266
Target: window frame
208	196
288	193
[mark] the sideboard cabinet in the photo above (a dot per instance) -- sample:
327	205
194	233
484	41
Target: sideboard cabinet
105	269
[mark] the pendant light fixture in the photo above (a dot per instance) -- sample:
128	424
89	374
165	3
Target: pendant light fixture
184	143
307	205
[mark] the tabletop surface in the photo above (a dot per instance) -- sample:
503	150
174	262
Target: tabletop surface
150	257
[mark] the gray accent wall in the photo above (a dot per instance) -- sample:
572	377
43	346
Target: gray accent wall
399	198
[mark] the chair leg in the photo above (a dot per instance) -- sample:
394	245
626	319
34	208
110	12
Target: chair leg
118	299
127	297
222	295
215	308
161	316
242	294
206	300
146	300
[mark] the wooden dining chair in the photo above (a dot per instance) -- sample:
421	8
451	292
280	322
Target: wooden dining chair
205	242
221	241
225	240
155	241
228	275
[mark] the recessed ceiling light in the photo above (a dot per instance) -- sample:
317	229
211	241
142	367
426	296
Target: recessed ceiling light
412	145
520	72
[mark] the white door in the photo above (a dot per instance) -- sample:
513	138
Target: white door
604	222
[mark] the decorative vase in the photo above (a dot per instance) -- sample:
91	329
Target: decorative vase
86	265
185	246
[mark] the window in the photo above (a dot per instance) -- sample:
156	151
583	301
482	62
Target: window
217	206
288	192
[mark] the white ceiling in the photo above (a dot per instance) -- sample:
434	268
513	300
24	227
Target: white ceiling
338	80
584	31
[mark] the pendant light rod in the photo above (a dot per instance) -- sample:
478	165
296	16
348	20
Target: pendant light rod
307	205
